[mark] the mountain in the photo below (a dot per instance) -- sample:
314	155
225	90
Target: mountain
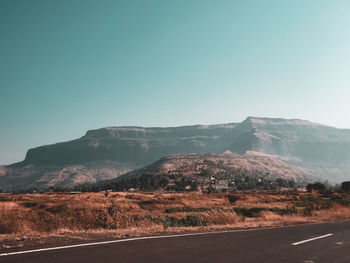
190	171
106	153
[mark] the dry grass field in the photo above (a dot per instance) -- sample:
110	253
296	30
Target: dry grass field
29	217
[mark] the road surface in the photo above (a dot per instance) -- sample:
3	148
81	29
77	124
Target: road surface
329	242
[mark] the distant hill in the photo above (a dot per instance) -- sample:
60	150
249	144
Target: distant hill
190	171
106	153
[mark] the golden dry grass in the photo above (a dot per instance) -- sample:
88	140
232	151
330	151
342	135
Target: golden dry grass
135	214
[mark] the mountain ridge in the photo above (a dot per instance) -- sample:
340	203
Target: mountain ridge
322	150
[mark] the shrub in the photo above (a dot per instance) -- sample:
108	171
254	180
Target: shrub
320	187
255	211
148	202
233	198
57	209
284	211
29	204
170	221
248	212
342	200
308	211
194	220
189	220
316	203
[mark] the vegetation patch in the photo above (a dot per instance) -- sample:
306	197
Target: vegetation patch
256	211
57	209
248	212
188	220
342	200
315	203
232	198
283	211
30	204
23	214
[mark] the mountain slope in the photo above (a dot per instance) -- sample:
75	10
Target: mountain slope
106	153
295	138
176	172
136	144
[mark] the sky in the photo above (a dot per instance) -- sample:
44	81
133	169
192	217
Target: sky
67	66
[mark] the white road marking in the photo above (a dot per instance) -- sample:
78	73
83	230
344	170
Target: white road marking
156	237
311	239
126	240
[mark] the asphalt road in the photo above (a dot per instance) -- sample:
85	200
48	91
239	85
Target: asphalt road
328	242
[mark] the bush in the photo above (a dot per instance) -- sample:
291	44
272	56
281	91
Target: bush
57	209
316	203
189	220
342	200
308	211
320	187
255	211
233	198
283	211
30	204
148	202
248	212
194	220
170	221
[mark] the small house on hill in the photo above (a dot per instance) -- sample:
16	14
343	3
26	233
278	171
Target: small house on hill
221	185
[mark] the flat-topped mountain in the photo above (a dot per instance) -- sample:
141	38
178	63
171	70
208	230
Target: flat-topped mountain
132	144
298	139
106	153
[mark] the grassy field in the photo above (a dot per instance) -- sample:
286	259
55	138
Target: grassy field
90	215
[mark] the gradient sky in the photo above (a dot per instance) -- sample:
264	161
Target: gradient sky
67	66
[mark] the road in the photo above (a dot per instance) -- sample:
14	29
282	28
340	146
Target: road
329	242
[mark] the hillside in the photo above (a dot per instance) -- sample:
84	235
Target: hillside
202	171
106	153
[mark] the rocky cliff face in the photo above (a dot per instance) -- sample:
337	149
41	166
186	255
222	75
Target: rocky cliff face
298	139
132	144
322	150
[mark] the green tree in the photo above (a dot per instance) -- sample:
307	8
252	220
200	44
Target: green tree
316	187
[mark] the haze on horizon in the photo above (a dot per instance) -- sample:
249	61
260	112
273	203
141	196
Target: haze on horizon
70	66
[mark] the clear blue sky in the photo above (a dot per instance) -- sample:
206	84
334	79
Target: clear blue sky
67	66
